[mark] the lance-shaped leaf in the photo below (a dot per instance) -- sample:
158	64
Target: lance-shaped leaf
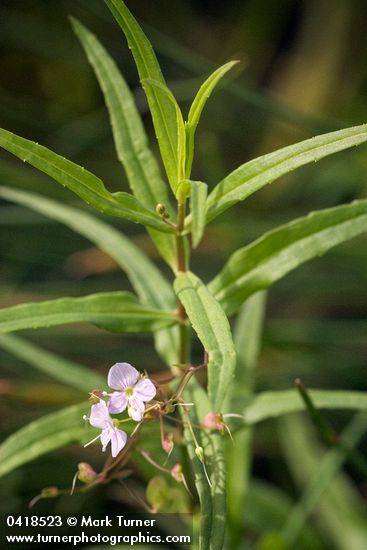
131	142
254	175
197	107
114	311
276	253
130	139
211	325
198	196
145	278
272	404
61	369
162	110
147	281
44	435
181	135
82	182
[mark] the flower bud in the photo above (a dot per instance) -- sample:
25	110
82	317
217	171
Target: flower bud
95	396
49	492
161	210
176	473
86	474
214	421
168	444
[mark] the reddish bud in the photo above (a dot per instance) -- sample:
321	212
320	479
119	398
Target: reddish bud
214	421
176	473
168	443
86	474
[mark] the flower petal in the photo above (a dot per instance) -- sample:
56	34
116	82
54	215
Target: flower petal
99	417
135	414
106	437
122	376
117	402
118	441
136	403
145	390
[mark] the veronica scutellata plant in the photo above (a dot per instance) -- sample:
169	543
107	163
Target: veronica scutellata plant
175	211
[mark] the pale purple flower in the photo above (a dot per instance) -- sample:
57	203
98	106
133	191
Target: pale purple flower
100	418
133	390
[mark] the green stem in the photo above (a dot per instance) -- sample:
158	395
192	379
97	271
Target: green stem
181	266
180	244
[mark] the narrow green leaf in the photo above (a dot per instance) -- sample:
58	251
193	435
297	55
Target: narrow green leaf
161	107
114	311
145	278
212	327
147	281
181	136
197	107
85	184
271	404
268	259
63	370
44	435
130	138
257	173
199	191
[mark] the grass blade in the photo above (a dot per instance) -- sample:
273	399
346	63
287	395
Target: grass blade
326	489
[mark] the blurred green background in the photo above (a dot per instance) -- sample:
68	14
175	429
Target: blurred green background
303	71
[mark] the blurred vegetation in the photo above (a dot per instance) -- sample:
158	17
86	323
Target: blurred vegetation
303	71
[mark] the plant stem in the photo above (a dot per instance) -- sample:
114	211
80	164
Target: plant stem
181	266
181	211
